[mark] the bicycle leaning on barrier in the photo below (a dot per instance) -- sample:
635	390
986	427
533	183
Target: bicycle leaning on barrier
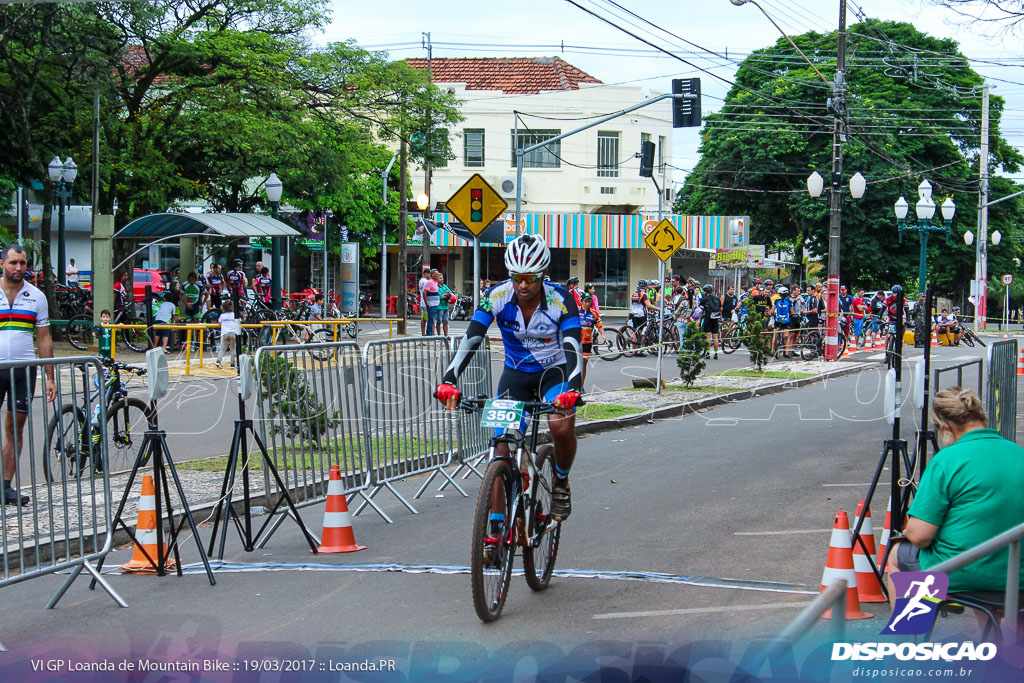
73	434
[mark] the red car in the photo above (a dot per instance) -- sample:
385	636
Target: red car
159	280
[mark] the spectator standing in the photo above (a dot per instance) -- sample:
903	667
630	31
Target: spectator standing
431	299
444	298
591	289
876	307
589	320
424	279
860	313
25	312
712	319
229	330
165	315
71	274
729	302
797	308
236	281
104	335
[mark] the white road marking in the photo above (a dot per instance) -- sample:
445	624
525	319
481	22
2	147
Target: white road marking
864	484
698	610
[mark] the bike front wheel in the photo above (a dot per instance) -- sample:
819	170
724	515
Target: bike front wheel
539	556
321	336
127	422
135	338
491	556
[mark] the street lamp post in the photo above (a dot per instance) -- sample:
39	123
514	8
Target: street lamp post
274	189
925	210
63	174
423	204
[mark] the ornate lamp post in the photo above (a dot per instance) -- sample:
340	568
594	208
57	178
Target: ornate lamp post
63	174
925	210
274	188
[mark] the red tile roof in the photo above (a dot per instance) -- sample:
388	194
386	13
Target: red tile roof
513	75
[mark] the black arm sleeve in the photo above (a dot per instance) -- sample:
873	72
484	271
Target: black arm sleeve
471	341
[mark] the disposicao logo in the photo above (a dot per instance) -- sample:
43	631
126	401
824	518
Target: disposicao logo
914	613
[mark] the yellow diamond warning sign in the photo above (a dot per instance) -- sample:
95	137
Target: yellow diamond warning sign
664	240
476	204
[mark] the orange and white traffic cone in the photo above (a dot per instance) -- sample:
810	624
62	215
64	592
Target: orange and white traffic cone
935	340
337	536
868	587
145	534
1020	363
839	565
883	542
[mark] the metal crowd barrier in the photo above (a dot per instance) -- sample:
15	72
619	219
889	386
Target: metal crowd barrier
310	413
1001	401
1011	600
408	431
940	376
66	523
779	650
472	440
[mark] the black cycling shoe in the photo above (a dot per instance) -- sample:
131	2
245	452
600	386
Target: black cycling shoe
561	502
12	497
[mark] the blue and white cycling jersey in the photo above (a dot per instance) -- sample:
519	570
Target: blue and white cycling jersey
550	340
538	345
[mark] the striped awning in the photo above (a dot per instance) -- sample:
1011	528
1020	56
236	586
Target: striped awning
158	225
590	231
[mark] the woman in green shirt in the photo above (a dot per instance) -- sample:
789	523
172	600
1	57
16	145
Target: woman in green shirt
969	492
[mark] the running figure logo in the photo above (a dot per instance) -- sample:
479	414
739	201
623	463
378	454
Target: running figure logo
922	592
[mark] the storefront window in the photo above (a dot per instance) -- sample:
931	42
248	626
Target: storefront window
608	269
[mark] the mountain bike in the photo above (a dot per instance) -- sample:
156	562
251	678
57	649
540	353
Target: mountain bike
72	435
524	478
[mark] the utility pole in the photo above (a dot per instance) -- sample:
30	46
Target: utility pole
838	107
403	233
980	289
426	157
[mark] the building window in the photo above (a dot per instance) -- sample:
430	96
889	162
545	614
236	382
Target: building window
545	157
607	190
607	154
473	147
608	270
661	154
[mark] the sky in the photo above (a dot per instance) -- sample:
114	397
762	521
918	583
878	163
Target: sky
558	28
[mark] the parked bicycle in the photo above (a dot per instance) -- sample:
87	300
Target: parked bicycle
73	434
79	331
523	479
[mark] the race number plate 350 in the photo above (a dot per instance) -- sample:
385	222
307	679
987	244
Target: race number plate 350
501	413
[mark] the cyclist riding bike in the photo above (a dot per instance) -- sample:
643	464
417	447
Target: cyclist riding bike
540	331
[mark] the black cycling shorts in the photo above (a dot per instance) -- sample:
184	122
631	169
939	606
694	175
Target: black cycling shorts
545	385
794	324
215	300
17	385
710	325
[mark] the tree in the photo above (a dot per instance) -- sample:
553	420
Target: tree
1006	14
904	125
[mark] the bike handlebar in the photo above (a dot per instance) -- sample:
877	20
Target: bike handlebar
475	405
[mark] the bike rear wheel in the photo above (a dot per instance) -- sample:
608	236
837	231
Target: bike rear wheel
969	334
79	331
134	338
491	558
321	336
539	561
809	343
63	434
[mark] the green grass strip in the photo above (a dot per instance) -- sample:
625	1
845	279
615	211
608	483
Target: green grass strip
765	374
308	455
599	411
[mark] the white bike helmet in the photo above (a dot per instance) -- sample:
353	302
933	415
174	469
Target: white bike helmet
527	254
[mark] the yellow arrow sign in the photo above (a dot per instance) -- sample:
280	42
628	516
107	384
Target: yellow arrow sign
476	204
664	240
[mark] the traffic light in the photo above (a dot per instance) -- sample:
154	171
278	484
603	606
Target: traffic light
686	111
646	159
476	205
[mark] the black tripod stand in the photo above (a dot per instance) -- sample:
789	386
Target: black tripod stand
894	452
224	510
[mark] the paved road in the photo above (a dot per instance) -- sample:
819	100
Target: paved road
744	491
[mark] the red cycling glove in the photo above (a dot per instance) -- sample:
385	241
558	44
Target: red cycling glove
567	399
447	391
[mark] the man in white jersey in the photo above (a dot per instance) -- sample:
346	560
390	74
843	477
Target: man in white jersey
22	311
